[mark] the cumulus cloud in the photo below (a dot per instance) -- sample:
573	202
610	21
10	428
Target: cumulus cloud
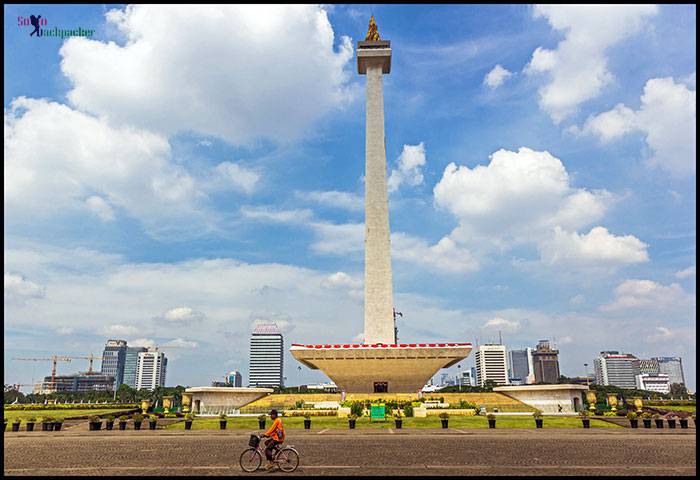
499	323
686	273
445	255
595	247
577	300
649	295
180	316
577	67
526	197
236	72
409	167
343	281
19	290
142	342
666	118
80	154
269	214
181	343
497	76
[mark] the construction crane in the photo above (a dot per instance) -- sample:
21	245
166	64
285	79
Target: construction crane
91	357
54	359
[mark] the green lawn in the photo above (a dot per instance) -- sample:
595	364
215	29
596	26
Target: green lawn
10	415
681	408
319	423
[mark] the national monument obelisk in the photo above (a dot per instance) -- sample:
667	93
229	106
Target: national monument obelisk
378	365
374	60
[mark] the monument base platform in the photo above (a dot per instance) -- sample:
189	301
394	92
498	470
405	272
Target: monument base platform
379	368
226	400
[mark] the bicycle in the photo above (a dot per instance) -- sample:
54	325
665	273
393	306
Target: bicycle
286	458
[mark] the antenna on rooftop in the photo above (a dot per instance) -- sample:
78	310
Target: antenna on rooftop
500	340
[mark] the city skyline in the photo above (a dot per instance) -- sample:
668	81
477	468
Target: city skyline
190	229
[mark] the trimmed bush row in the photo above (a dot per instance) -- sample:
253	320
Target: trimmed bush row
71	406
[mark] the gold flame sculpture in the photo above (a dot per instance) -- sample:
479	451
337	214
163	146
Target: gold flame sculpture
372	32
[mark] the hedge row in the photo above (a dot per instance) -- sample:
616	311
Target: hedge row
70	406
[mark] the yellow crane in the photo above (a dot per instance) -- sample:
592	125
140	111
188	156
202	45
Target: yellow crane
54	360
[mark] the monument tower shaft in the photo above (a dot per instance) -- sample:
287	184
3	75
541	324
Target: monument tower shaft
374	60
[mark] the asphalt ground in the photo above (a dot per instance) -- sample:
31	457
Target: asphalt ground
392	452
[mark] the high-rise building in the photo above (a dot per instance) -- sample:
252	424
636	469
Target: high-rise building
266	356
151	368
520	368
465	379
113	358
131	363
654	383
614	368
234	379
650	367
545	361
673	367
491	364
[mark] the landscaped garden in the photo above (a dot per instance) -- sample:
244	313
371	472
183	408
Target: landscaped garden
319	423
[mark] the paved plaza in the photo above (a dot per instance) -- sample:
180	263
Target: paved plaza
345	452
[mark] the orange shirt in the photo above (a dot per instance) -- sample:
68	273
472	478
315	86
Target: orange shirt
276	431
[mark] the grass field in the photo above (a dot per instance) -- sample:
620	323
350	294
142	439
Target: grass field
10	415
319	423
680	408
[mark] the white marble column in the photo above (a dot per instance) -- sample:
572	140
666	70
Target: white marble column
379	320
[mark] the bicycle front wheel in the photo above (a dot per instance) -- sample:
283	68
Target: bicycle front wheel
288	459
250	460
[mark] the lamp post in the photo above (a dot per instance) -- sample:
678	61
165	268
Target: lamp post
585	366
459	379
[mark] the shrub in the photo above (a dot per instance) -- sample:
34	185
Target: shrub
657	416
299	404
152	417
70	406
408	410
610	414
352	417
491	416
189	416
262	417
398	415
307	416
110	418
356	408
17	421
91	418
646	415
170	415
222	416
631	415
31	420
124	417
537	414
137	417
444	415
583	413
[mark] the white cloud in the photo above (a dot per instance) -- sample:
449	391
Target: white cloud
408	171
64	331
232	71
18	289
181	343
596	247
662	334
499	323
526	197
666	118
236	177
338	239
118	330
686	273
497	76
268	214
344	282
142	342
100	208
445	255
645	295
79	155
180	316
333	198
578	67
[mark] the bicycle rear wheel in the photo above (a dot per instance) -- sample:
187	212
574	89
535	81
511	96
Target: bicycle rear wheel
287	459
250	460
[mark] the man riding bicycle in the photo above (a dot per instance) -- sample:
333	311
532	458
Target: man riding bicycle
276	437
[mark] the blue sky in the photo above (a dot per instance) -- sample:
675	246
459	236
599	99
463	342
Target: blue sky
189	172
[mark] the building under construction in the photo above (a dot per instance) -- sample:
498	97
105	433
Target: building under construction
79	382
